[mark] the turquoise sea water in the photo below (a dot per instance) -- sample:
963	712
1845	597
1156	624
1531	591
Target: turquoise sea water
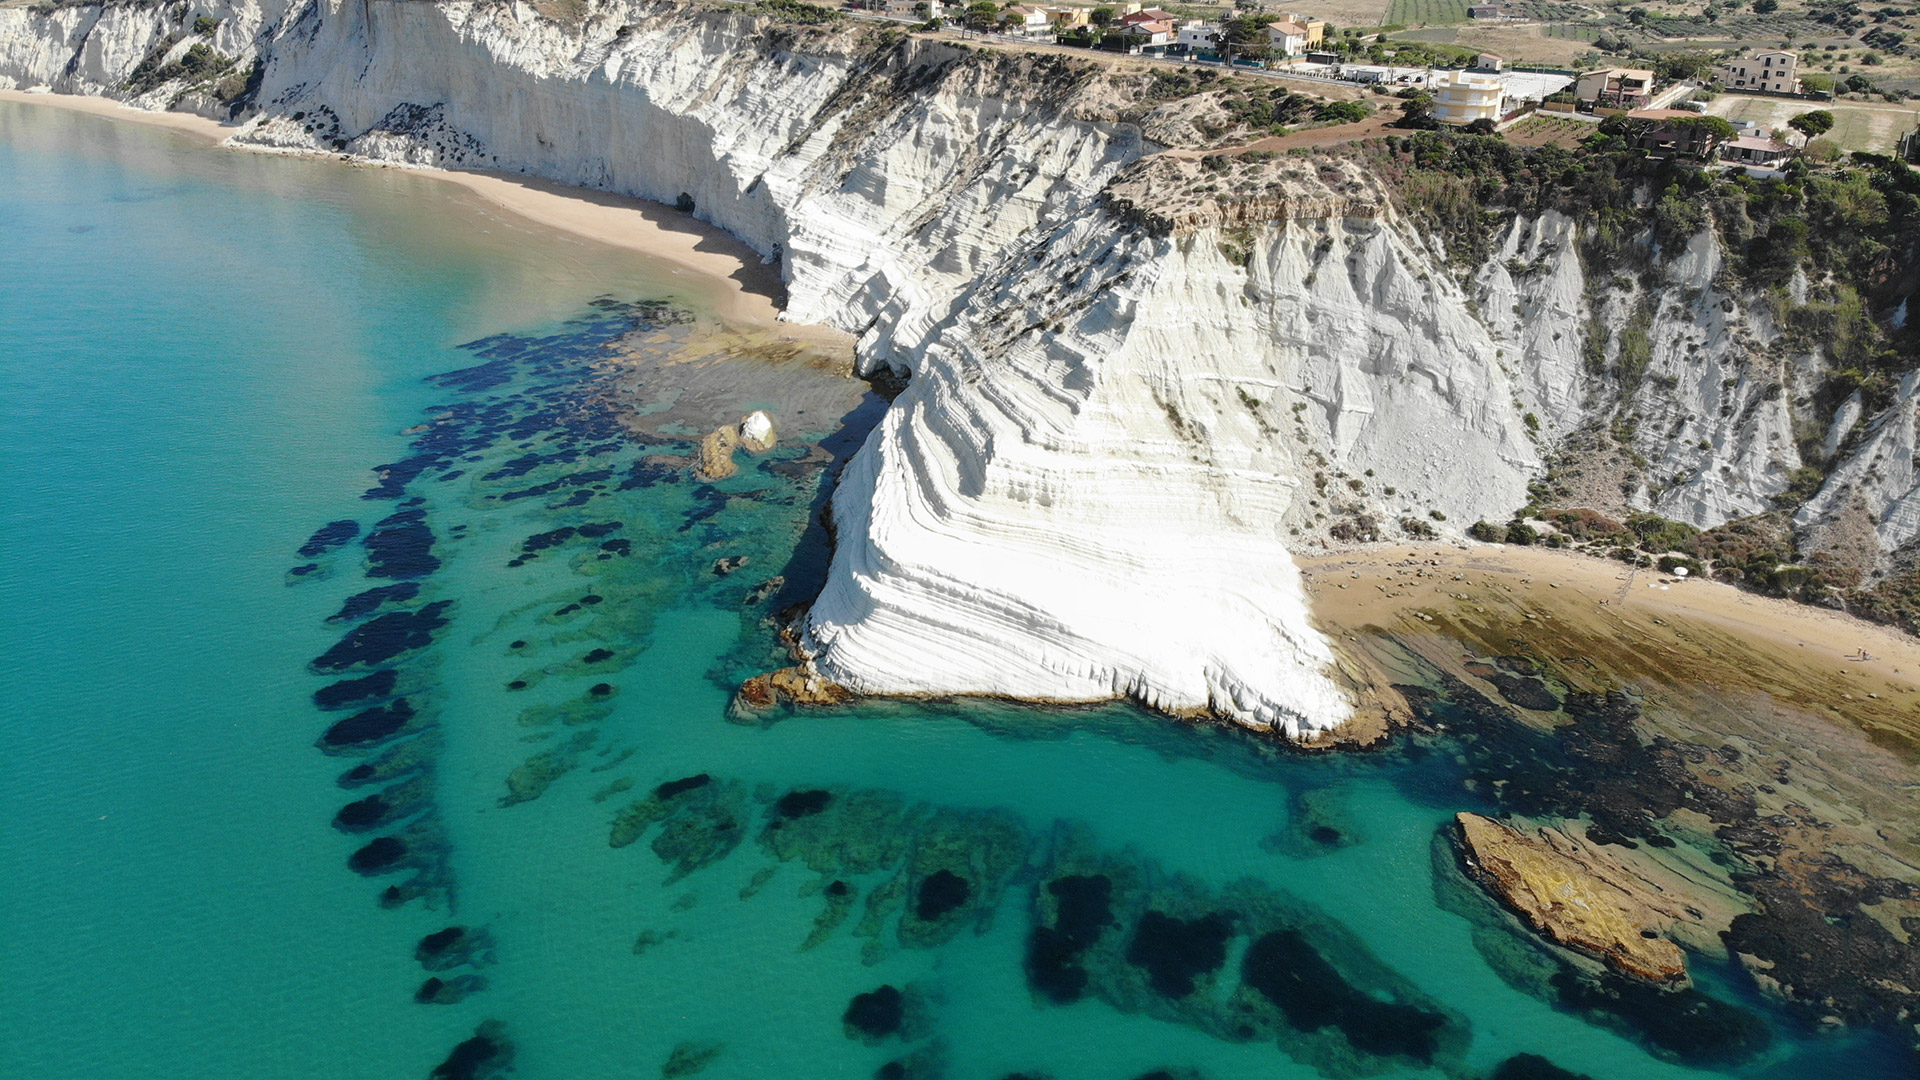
204	356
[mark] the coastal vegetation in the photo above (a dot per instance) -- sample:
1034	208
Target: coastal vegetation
1830	252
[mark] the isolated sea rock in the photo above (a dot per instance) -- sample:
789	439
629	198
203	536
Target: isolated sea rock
716	453
1568	900
757	434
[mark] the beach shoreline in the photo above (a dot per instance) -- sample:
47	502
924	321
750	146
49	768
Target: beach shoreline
743	289
1661	627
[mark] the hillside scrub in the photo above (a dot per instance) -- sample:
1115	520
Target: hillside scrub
1832	252
1856	224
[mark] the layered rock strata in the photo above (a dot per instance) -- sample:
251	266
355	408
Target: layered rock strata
1583	904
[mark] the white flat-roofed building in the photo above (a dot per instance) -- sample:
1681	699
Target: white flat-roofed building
1196	34
1461	97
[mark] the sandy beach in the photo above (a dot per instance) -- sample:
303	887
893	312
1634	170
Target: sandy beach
745	291
1628	623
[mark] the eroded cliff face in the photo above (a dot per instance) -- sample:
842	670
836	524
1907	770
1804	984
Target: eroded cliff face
1138	382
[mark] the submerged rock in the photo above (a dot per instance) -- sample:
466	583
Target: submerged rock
689	1058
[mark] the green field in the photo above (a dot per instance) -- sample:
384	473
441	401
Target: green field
1856	127
1426	12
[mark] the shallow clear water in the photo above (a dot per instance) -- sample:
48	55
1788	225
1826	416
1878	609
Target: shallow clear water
204	355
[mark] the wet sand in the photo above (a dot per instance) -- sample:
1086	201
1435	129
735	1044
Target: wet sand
743	290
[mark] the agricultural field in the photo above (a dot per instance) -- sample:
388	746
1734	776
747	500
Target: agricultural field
1875	127
1574	31
1427	12
1520	43
1345	13
1544	129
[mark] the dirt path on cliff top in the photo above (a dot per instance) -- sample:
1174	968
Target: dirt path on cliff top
1372	127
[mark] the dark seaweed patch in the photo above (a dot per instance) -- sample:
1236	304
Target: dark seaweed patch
1291	973
617	547
1174	951
600	689
385	637
940	892
645	474
597	656
362	815
327	537
876	1013
369	725
1528	693
486	1054
439	942
346	692
473	380
362	604
380	855
678	787
1533	1067
438	991
454	947
1687	1025
799	804
404	551
1084	911
552	538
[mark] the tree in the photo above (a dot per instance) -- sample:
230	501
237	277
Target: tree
1691	64
1102	16
981	15
1765	7
1859	84
1342	112
1812	124
1418	108
1717	129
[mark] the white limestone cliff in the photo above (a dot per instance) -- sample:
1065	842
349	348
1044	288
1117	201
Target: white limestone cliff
1133	392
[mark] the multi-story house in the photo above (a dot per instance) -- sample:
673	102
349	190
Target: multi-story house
1776	70
1461	97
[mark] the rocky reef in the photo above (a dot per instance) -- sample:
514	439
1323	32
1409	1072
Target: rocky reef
1571	900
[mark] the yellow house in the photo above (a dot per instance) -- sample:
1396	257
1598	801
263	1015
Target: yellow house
1068	17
